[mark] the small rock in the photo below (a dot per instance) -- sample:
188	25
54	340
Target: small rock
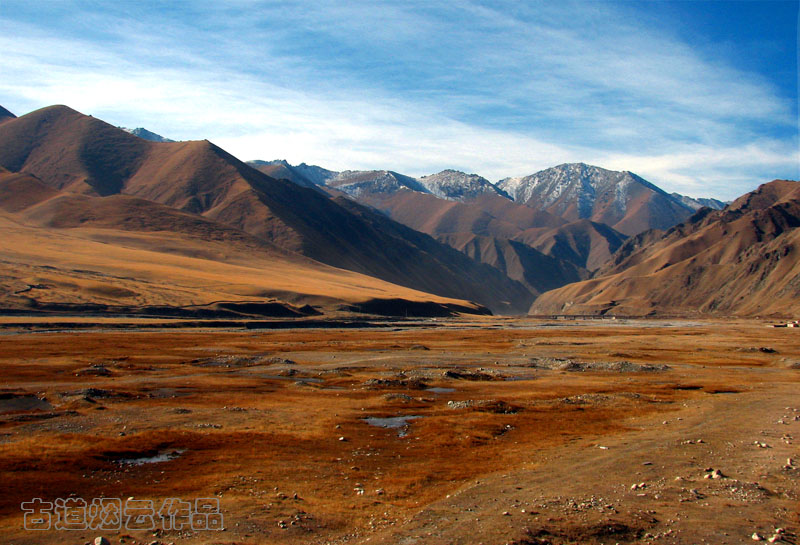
342	438
757	537
100	540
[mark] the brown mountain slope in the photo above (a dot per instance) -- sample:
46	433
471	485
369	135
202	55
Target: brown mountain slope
78	153
537	271
584	243
481	228
77	252
437	216
5	115
743	260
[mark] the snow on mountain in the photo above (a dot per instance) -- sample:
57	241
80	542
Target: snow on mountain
700	202
575	191
356	182
572	181
454	185
448	184
147	135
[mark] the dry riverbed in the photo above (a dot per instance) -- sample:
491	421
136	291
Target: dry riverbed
453	431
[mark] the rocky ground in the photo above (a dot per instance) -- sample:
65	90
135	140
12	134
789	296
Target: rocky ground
459	431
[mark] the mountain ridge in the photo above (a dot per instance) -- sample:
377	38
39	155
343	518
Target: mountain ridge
741	260
81	154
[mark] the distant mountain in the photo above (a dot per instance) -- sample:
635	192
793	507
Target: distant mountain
454	185
743	260
450	185
5	115
81	154
621	200
302	174
282	170
470	214
147	135
372	182
314	174
697	204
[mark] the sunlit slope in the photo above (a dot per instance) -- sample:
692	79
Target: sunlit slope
742	260
121	250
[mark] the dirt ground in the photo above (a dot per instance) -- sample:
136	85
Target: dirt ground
522	431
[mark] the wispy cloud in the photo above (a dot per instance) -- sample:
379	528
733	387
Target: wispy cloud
499	88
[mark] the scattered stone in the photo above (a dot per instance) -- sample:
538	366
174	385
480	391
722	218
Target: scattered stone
342	438
397	397
100	540
756	537
463	374
714	474
281	361
96	370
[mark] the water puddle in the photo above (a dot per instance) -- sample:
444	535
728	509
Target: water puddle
11	403
438	390
400	423
520	377
158	458
292	376
166	393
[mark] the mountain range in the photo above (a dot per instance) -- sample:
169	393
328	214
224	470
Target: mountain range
544	230
76	153
298	239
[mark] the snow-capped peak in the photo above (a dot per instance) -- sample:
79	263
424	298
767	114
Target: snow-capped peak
454	185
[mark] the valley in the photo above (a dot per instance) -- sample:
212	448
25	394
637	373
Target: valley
460	430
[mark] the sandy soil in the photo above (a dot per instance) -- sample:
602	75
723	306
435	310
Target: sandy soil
528	432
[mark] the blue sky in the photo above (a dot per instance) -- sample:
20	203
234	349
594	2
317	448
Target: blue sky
697	97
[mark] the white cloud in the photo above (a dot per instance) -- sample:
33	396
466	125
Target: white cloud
487	92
